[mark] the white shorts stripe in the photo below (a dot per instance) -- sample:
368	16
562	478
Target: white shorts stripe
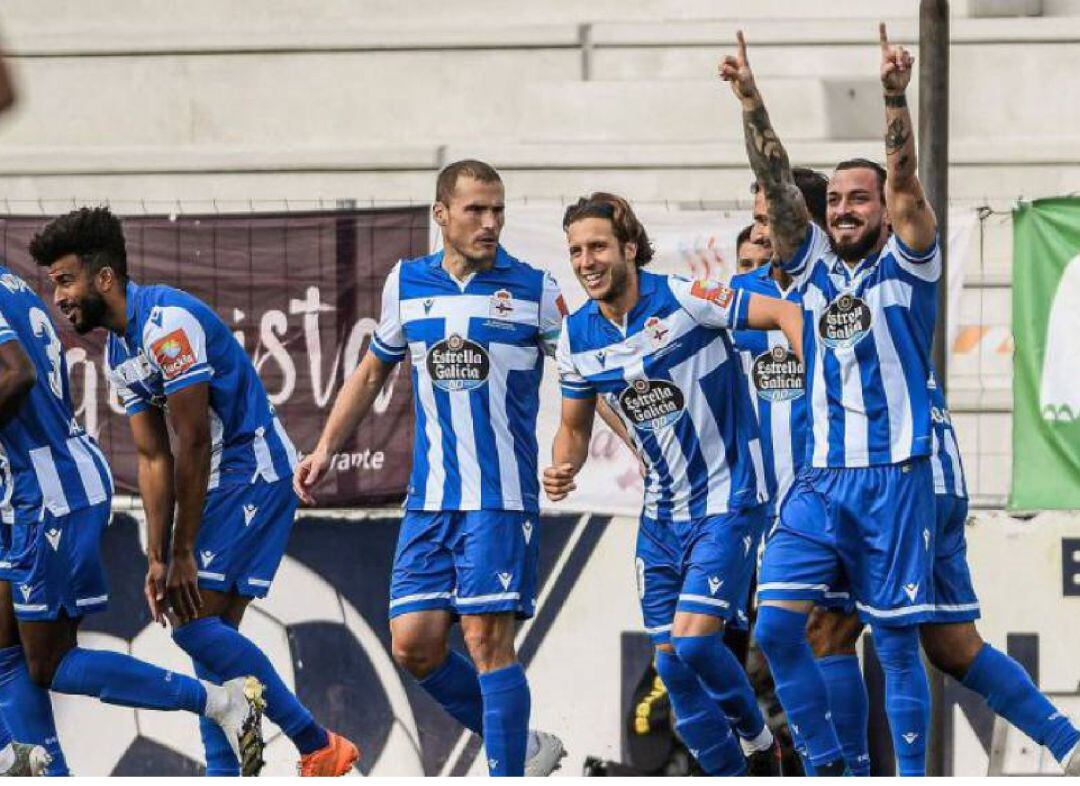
792	585
91	601
259	582
659	629
487	598
706	600
901	612
421	596
205	574
30	606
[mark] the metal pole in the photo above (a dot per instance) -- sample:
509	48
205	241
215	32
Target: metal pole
934	174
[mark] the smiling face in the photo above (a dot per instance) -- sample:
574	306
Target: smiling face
856	213
78	293
600	262
472	219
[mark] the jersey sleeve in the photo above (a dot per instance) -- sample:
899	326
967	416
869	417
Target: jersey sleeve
925	266
711	303
814	246
6	332
552	314
175	344
388	343
572	383
132	402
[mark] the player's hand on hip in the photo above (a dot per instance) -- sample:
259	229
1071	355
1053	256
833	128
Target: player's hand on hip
155	590
735	70
182	587
309	473
558	481
896	63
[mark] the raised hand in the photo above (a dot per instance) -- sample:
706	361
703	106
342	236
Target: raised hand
896	63
736	71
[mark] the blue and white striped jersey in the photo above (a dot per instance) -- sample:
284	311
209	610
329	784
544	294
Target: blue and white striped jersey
945	460
672	375
777	388
172	341
47	462
866	338
477	349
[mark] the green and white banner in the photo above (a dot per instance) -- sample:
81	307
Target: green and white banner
1046	381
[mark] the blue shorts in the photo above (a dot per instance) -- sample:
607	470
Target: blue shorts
956	599
244	532
55	565
466	562
703	566
871	529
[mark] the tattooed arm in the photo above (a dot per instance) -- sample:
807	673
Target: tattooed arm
788	217
911	216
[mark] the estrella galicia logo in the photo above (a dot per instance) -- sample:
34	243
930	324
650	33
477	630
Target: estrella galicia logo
845	322
456	363
778	375
652	404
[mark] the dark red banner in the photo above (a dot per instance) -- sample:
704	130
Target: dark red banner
301	292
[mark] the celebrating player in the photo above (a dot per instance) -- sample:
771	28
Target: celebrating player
656	349
476	323
864	508
57	491
221	485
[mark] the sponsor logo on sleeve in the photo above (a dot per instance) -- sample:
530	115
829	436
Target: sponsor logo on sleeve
714	292
173	354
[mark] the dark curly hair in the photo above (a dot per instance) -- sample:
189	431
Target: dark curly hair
93	234
624	223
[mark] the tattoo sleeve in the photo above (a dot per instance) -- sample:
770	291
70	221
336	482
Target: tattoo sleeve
899	141
788	217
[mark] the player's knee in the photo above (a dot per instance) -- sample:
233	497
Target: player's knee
779	629
897	648
951	648
419	657
832	633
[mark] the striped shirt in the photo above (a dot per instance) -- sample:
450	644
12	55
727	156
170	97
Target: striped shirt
866	338
173	341
47	461
777	385
945	460
672	375
477	349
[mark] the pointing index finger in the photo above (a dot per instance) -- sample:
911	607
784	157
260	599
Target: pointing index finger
883	36
742	45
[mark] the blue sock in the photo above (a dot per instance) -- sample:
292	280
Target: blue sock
850	707
229	654
456	686
781	634
1010	693
220	759
804	757
699	720
724	679
116	678
907	696
28	709
506	719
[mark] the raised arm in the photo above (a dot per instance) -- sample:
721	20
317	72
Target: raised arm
910	214
788	217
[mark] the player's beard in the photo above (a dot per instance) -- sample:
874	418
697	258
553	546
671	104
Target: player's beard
856	250
91	313
617	283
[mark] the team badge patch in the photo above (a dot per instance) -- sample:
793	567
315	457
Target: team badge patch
173	353
845	322
713	291
656	329
502	304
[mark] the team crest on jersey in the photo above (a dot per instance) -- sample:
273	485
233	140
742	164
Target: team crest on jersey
652	404
778	375
845	323
656	330
173	353
12	283
456	363
502	304
713	291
